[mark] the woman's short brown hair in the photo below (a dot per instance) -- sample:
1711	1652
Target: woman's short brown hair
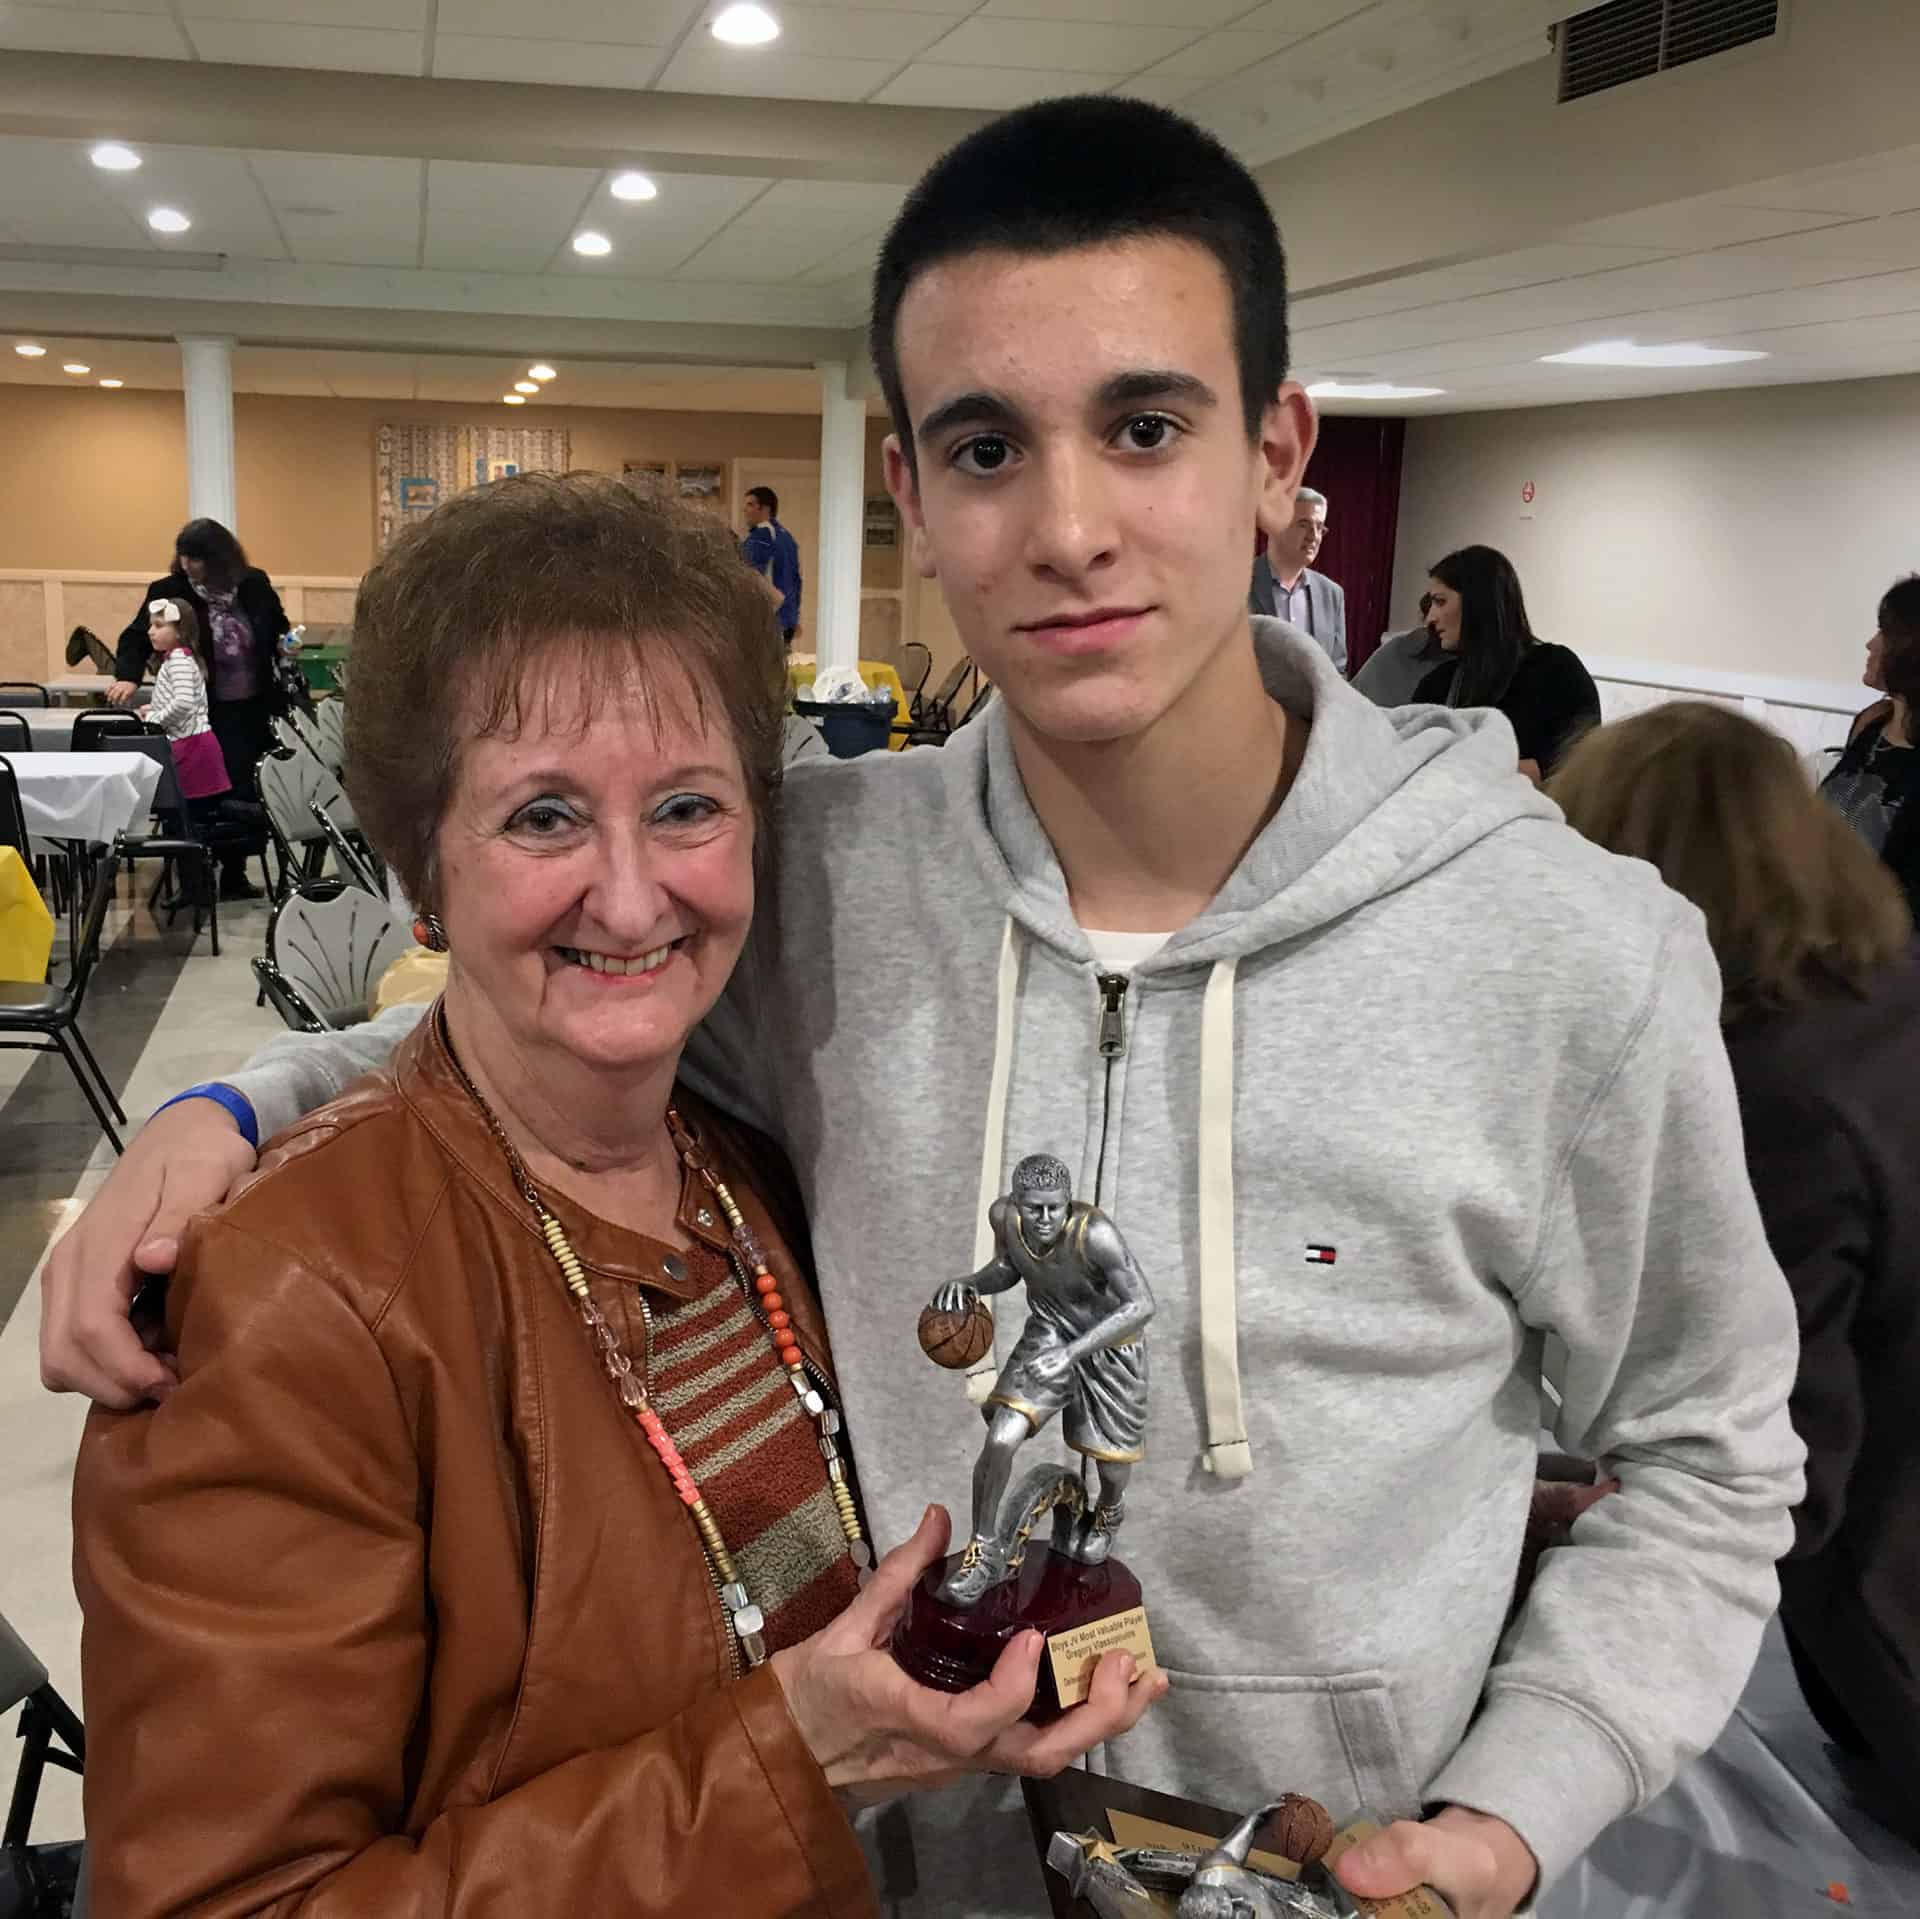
643	592
1797	905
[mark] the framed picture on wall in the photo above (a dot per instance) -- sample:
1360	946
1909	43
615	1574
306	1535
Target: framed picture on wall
702	484
647	472
419	495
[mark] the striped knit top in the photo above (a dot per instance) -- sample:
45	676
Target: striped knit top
751	1448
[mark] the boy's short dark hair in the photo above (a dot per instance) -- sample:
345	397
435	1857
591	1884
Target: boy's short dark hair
1087	171
767	498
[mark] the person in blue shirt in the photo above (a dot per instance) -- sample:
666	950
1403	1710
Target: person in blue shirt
770	549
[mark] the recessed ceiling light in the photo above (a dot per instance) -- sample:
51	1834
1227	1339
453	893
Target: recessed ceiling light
541	372
168	220
76	366
28	351
113	383
593	245
112	157
513	399
1626	353
1370	390
745	25
633	186
525	386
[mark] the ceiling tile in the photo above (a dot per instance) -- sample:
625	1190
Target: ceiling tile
1218	55
865	33
760	255
1194	15
344	49
1298	18
565	63
988	89
705	66
326	14
343	209
1690	224
50	196
641	23
1891	241
655	236
149	36
1057	45
501	219
1163	89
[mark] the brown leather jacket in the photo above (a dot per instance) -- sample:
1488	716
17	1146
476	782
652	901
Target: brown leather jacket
389	1609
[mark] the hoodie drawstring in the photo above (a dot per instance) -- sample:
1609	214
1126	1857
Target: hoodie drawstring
1228	1453
993	1146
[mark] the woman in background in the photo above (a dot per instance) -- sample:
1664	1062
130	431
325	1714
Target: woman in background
1822	1021
1876	779
1478	615
243	621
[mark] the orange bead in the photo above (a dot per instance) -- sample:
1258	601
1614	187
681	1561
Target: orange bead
779	1320
774	1303
764	1283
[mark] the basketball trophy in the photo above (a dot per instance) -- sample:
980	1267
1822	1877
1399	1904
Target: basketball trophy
1081	1357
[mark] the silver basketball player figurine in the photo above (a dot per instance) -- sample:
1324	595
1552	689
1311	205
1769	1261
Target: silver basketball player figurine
1080	1355
1119	1882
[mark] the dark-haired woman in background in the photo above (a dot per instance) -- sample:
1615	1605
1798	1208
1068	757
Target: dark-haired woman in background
1822	1020
243	620
1876	784
1478	615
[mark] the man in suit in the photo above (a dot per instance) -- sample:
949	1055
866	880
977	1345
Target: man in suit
1285	584
773	552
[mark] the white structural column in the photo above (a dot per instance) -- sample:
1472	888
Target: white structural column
207	363
835	614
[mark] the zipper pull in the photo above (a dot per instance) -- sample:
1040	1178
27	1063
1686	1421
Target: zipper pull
1113	1014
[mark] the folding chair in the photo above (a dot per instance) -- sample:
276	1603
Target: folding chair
24	693
330	723
325	954
94	731
46	1019
357	870
16	736
915	653
289	789
36	1879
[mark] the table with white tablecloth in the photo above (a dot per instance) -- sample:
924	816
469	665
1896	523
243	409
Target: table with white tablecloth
86	797
50	729
81	687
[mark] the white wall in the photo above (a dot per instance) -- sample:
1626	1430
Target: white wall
1731	544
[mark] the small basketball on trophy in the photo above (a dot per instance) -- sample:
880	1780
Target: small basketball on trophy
957	1339
1301	1829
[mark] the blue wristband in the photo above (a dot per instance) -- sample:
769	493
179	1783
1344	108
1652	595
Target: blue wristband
237	1103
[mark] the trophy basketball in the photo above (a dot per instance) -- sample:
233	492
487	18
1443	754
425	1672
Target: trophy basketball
1081	1357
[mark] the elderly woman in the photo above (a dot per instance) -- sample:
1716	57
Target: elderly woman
1822	1016
1477	616
498	1550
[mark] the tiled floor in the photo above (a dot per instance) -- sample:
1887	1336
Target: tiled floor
161	1012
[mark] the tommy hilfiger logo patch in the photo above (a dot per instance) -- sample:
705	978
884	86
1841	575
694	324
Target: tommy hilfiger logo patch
1321	1255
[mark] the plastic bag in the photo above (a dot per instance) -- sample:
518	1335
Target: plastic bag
26	927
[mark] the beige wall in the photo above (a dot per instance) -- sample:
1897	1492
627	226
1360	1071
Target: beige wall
1749	532
97	482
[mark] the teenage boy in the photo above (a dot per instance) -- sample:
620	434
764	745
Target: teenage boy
1387	1077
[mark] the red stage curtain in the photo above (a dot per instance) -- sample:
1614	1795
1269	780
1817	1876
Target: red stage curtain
1357	466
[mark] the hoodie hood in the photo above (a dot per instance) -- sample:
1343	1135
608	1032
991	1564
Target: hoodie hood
1382	798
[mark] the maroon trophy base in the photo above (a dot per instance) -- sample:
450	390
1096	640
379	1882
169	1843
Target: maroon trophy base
953	1648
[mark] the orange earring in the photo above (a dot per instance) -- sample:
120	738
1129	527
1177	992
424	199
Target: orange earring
428	932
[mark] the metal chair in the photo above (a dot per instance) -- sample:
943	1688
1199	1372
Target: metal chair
330	723
36	1879
289	789
912	653
324	954
16	736
46	1019
293	732
24	693
94	730
358	871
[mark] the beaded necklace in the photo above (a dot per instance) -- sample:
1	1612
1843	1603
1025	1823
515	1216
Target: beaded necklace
763	1292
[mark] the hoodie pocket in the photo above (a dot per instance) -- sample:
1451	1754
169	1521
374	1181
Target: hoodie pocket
1232	1739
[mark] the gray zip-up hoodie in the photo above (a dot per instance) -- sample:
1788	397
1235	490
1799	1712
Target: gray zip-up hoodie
1432	1082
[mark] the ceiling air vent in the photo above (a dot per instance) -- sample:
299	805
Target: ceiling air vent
1632	39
